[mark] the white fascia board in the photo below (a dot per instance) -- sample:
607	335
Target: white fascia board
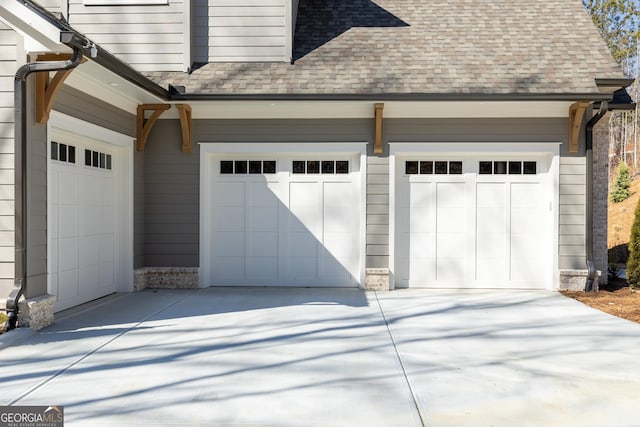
365	109
31	25
95	80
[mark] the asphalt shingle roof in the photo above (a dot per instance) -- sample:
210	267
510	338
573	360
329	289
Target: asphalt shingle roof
423	47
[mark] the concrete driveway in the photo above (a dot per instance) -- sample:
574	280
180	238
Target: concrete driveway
330	357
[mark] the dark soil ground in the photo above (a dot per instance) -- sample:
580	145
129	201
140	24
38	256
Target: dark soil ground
616	298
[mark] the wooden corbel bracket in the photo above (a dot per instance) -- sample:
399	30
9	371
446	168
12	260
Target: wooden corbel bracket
144	125
377	140
576	116
47	88
185	126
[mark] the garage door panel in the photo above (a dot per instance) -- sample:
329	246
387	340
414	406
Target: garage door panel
262	244
333	269
525	195
526	270
106	274
450	220
420	219
491	269
228	194
303	245
69	279
263	219
261	195
90	190
89	276
491	195
229	244
421	245
107	220
450	245
229	219
68	253
89	253
339	245
491	245
67	188
449	270
67	221
262	269
302	268
228	269
491	220
450	195
420	195
89	221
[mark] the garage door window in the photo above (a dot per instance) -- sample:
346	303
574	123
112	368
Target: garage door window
63	152
314	167
429	167
510	167
243	167
96	159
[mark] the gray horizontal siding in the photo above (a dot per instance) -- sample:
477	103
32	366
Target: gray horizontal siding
82	106
7	71
572	213
240	30
149	38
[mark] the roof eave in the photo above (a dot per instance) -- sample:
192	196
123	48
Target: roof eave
175	96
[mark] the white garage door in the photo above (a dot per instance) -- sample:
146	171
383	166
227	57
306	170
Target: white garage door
283	220
476	222
81	227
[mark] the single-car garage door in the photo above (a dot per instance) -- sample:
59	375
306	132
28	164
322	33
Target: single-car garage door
89	215
282	220
473	221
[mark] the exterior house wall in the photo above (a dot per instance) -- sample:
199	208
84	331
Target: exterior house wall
8	57
242	30
148	37
171	189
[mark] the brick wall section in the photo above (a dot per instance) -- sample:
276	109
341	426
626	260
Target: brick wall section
8	57
600	195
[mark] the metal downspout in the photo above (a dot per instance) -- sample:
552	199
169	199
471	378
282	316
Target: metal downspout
591	269
20	150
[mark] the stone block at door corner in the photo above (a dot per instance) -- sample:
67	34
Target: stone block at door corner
36	313
377	279
575	280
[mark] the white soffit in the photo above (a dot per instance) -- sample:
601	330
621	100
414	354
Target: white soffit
365	109
109	87
40	34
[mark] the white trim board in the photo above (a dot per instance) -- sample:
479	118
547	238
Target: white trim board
231	109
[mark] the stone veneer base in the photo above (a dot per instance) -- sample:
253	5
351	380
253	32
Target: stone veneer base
166	278
575	280
36	313
377	279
